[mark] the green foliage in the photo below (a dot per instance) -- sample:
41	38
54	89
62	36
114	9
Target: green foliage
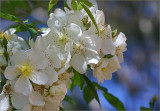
22	27
145	109
90	15
3	82
103	89
10	17
151	103
114	101
86	23
88	94
52	4
114	33
92	91
108	56
4	43
69	100
11	6
77	4
77	80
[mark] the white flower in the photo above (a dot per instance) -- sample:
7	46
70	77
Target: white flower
35	98
15	43
27	65
104	39
105	68
4	102
18	100
83	53
58	90
120	43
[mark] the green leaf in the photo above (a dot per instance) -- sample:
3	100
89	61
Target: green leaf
61	109
108	56
42	29
153	101
92	88
114	101
70	100
86	2
52	4
33	32
25	21
145	109
105	90
114	33
3	82
79	7
90	15
77	80
74	4
88	94
10	17
65	5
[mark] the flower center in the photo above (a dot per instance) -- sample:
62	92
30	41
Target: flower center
4	35
25	69
103	69
63	39
79	47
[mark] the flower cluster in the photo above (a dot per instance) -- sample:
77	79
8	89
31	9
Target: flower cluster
38	76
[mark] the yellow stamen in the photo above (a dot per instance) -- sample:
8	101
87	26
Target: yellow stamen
4	35
103	69
25	69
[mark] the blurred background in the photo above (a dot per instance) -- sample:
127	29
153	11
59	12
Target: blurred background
138	81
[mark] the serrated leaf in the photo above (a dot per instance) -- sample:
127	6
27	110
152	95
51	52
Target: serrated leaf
92	88
70	100
90	15
105	90
10	17
114	101
108	56
52	4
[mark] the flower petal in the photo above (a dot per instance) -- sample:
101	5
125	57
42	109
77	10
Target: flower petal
19	57
36	99
23	86
79	63
100	17
91	56
11	72
4	102
38	60
19	100
27	107
73	31
39	78
52	76
52	57
108	47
